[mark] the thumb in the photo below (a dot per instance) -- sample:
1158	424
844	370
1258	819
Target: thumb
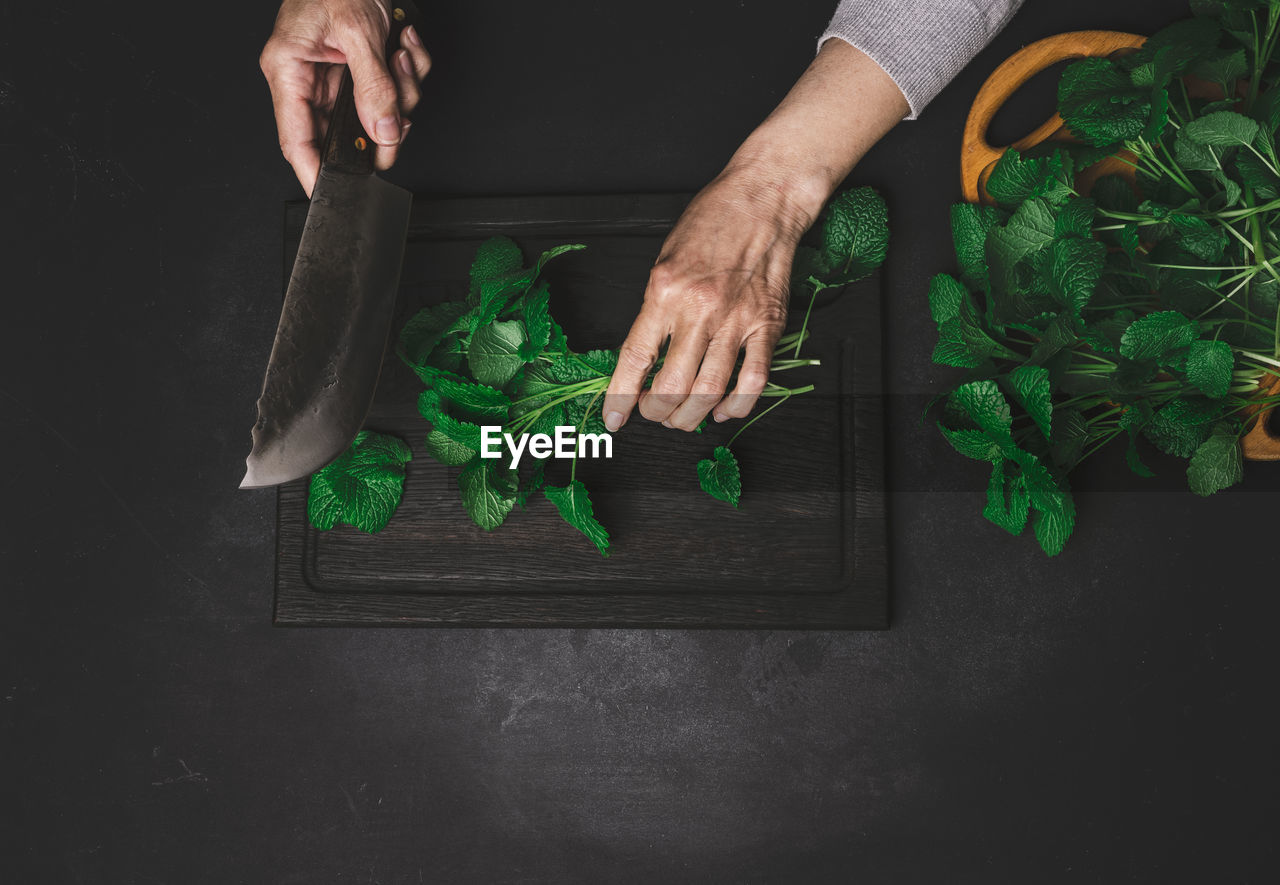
375	92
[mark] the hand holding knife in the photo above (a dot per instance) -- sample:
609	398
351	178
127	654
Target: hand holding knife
337	311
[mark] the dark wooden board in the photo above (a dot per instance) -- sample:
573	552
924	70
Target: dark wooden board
806	548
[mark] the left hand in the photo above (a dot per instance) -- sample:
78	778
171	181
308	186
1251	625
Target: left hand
719	287
720	284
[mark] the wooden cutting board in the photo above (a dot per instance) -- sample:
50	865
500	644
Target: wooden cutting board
806	548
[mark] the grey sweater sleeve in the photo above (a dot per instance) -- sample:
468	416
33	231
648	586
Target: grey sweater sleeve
920	44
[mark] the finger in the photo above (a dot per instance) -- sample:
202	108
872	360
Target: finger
713	377
418	55
751	378
385	157
672	385
406	81
377	100
635	358
296	126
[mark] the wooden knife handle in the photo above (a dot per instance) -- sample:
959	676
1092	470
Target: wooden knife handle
976	154
347	147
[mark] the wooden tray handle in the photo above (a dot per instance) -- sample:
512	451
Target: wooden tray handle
976	155
1258	444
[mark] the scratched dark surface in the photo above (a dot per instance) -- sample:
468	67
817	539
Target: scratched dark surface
1102	717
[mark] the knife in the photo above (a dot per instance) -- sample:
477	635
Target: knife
337	310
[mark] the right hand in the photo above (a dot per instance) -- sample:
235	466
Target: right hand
303	62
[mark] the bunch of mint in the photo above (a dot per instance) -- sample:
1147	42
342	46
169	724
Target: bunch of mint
1146	309
499	358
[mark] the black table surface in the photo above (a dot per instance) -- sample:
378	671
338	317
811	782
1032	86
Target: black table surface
1104	716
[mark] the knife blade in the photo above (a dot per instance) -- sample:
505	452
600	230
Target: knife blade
337	311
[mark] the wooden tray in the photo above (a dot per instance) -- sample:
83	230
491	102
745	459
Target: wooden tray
977	157
806	549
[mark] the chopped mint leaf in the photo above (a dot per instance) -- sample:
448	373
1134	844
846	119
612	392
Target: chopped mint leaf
362	486
720	477
575	508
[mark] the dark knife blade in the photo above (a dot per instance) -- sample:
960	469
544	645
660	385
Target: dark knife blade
337	312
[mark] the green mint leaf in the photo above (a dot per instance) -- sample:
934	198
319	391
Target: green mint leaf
1224	67
494	355
603	361
1179	427
576	411
496	257
1030	227
559	343
986	406
496	294
1016	178
1200	238
1054	526
1134	460
973	444
1153	336
1254	173
1029	230
1032	390
945	297
1129	239
478	399
1008	501
556	253
1075	219
429	405
1266	110
953	350
1075	266
535	482
1058	334
574	367
1194	156
426	329
549	419
1070	436
1158	118
485	497
961	339
1209	366
1171	50
1217	462
575	508
970	224
537	322
1221	129
1099	104
447	450
462	432
362	486
720	477
1055	511
535	388
855	235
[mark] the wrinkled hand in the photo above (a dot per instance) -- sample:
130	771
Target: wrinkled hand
303	62
719	287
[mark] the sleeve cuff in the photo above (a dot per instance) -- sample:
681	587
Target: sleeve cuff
920	44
